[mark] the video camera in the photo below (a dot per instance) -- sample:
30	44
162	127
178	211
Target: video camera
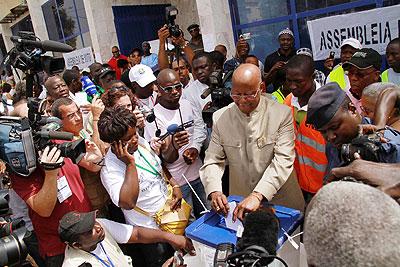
170	15
13	250
22	138
370	147
220	93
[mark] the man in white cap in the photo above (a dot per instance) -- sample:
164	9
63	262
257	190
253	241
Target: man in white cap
347	49
142	79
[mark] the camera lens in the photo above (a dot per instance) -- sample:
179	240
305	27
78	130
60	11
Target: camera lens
12	248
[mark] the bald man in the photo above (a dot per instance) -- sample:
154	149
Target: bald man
56	87
255	135
171	109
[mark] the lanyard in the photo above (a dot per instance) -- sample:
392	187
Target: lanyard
152	171
108	258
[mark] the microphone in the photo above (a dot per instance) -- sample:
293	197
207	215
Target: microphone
174	128
206	93
46	45
56	135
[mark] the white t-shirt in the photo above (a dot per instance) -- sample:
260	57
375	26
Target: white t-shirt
394	77
152	188
165	117
149	102
121	233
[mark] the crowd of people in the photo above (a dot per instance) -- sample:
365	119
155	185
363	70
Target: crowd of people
148	149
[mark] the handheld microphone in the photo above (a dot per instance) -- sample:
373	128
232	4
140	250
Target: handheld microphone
172	129
46	45
56	135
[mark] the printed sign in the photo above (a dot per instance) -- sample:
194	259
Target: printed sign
81	58
373	28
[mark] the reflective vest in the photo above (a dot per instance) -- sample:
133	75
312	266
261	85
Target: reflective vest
337	75
390	76
278	96
385	76
311	162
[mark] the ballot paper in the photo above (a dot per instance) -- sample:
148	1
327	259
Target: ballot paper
237	226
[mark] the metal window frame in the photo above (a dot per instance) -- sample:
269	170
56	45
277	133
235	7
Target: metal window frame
293	16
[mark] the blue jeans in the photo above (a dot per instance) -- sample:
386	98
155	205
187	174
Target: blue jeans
192	200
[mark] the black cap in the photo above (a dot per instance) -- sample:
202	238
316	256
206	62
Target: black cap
192	26
324	103
75	223
105	71
364	59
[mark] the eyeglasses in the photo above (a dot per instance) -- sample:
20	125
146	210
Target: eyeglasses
245	97
194	29
359	75
168	89
115	52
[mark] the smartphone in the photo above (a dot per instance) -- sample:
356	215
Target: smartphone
332	54
246	36
178	259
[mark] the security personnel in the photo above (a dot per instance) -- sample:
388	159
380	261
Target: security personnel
311	162
393	58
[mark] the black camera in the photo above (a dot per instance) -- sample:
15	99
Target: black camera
170	15
367	146
148	114
13	250
220	93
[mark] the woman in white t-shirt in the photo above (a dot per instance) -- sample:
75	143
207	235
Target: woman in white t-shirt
132	173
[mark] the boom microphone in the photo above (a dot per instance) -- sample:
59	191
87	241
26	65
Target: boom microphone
174	128
56	135
46	45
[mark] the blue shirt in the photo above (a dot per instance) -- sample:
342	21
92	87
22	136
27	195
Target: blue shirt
151	61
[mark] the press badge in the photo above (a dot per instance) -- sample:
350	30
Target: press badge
63	189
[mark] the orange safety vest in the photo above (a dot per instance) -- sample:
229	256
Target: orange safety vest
311	162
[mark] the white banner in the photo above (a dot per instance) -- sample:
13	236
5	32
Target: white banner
373	28
81	58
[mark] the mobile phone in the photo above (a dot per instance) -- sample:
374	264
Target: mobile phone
246	36
332	54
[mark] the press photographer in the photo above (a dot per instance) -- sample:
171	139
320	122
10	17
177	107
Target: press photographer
332	113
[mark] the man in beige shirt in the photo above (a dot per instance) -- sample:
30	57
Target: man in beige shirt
256	136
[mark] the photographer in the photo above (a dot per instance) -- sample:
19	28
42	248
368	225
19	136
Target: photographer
332	113
163	35
242	51
255	135
52	190
71	117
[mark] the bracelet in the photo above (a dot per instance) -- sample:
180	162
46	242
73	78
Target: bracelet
186	44
256	196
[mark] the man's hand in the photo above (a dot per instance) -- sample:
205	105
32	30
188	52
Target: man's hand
219	202
181	138
51	160
122	153
278	65
179	41
170	262
163	34
176	198
97	107
156	144
384	176
328	63
183	243
2	168
93	153
190	155
85	109
139	118
249	204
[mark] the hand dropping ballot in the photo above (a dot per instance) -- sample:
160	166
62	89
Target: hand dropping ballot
235	226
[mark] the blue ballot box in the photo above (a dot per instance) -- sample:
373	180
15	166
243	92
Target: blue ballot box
210	230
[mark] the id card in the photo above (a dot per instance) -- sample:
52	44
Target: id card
63	189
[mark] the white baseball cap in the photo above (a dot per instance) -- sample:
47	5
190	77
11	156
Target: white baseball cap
141	74
351	42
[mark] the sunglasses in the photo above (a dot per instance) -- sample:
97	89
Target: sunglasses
168	89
